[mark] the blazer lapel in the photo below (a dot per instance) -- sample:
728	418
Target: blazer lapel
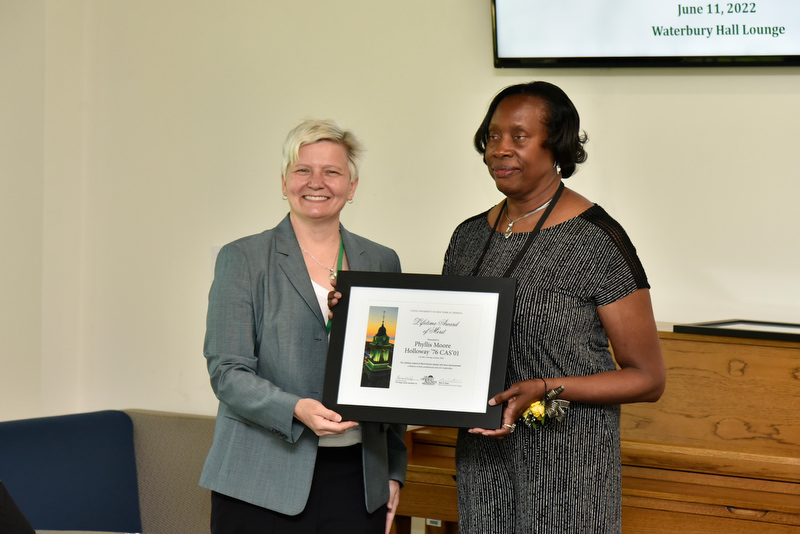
357	260
292	264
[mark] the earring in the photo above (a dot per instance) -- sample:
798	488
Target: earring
349	200
284	197
557	167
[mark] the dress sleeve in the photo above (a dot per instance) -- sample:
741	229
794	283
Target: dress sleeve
461	253
449	254
624	271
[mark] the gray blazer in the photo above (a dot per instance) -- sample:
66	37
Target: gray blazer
266	347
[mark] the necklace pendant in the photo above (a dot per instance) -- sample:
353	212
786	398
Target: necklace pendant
507	233
333	275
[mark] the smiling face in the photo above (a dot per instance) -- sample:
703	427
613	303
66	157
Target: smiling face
515	157
318	184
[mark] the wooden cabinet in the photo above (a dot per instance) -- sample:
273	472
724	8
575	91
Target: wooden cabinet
720	452
430	489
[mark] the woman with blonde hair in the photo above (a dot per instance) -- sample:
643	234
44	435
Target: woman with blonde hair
281	461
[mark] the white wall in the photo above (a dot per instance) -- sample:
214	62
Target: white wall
137	136
22	38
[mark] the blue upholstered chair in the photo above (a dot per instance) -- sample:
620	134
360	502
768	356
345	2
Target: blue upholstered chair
73	472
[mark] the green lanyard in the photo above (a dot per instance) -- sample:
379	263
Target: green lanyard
338	268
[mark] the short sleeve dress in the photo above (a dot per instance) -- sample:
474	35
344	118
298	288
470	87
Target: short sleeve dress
565	477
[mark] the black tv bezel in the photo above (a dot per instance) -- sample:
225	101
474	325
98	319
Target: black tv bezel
636	61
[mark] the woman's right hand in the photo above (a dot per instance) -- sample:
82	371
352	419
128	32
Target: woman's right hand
517	398
322	421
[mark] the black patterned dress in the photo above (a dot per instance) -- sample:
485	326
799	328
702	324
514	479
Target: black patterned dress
565	477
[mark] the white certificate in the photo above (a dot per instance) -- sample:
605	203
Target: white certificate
419	349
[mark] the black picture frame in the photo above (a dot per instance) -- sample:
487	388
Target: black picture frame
743	328
396	399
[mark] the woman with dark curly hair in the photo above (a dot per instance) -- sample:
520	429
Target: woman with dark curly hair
554	464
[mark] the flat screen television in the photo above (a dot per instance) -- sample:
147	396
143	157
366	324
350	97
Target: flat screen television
645	33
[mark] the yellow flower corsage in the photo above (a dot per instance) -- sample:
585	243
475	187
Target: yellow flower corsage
550	407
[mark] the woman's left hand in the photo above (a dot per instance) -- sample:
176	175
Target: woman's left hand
391	506
517	398
333	299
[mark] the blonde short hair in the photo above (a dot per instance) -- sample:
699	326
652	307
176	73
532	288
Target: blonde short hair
311	131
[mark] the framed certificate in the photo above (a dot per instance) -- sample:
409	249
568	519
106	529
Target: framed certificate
419	349
743	328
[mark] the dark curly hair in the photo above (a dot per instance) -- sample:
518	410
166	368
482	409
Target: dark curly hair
564	138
